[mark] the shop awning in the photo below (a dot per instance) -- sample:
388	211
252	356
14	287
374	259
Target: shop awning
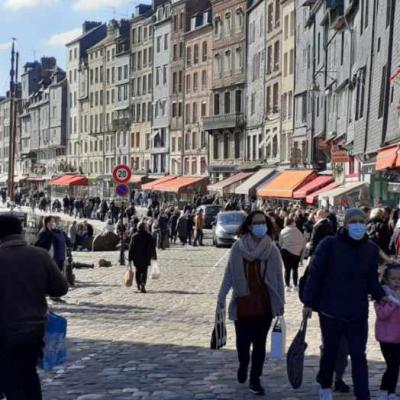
36	178
311	198
179	184
253	181
228	185
70	180
387	158
340	191
283	185
317	183
149	186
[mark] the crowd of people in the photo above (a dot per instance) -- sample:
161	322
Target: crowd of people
343	255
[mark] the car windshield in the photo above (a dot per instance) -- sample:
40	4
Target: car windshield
231	218
212	210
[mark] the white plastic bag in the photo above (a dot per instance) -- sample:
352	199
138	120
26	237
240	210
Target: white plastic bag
278	339
155	270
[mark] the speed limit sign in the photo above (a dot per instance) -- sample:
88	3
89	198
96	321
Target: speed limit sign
122	174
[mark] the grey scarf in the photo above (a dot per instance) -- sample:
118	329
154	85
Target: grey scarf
255	250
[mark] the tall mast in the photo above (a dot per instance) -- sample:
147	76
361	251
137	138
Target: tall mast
11	147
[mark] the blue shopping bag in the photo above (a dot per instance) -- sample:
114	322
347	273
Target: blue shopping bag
55	346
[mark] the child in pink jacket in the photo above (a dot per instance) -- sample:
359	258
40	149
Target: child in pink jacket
387	331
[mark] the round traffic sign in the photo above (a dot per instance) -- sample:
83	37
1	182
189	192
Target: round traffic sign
122	190
122	174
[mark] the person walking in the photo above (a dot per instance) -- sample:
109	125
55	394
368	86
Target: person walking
321	230
254	274
46	237
182	227
72	231
27	275
198	228
173	225
343	273
291	243
141	251
387	331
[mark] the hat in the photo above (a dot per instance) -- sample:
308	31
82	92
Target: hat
354	212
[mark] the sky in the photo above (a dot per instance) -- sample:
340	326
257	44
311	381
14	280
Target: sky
42	27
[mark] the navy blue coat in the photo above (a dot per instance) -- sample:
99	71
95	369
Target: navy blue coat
343	273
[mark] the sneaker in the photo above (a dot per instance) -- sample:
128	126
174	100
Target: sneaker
341	387
242	374
392	396
256	389
383	395
325	394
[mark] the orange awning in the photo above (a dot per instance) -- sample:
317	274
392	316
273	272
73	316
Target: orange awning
285	184
310	199
149	186
317	183
387	158
179	184
70	180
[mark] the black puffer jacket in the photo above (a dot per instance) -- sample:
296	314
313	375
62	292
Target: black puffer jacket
378	231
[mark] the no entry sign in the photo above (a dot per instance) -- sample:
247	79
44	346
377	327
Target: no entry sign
122	190
122	174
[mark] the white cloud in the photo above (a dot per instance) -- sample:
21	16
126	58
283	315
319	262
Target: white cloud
16	5
88	5
5	46
60	39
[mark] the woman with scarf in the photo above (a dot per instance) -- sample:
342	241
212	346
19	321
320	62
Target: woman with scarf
254	273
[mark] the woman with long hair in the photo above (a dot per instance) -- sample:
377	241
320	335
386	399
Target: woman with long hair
254	273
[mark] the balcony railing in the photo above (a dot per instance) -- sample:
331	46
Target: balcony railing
223	121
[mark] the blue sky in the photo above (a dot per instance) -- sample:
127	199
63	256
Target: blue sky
42	27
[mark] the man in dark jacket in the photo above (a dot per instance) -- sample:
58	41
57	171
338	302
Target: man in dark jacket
46	237
343	273
141	251
321	230
378	230
27	276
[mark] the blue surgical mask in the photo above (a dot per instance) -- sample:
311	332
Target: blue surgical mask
357	230
259	230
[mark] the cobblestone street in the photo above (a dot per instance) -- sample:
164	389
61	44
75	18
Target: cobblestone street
126	345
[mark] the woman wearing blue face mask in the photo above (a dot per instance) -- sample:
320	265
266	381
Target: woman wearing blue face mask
254	273
343	274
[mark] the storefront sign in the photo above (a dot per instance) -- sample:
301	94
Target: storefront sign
222	168
339	155
394	187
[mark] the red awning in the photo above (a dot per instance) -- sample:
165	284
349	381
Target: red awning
317	183
310	199
150	186
179	184
70	180
387	158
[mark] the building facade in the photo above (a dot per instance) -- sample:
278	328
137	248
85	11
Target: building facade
226	125
198	76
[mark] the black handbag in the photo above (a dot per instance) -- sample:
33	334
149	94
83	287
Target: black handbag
295	356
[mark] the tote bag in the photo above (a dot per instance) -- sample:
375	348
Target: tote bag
218	336
278	339
55	347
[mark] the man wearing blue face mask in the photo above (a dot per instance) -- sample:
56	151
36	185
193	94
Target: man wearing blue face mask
343	273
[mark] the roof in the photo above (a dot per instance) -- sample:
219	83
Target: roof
317	183
221	186
284	185
83	35
149	186
179	184
254	181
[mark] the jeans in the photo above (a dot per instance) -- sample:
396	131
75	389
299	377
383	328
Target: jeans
291	263
198	237
391	354
19	354
356	334
141	276
252	332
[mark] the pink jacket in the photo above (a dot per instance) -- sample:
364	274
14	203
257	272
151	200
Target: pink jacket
387	328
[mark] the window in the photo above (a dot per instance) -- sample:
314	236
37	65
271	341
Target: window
203	109
217	66
238	101
194	114
226	146
227	102
319	48
216	104
275	97
388	12
204	51
238	59
180	81
292	21
204	80
166	41
277	12
291	62
175	52
188	56
196	54
285	64
187	113
253	103
158	48
228	24
269	60
290	104
284	106
276	56
174	114
174	82
194	142
157	76
215	147
342	49
217	27
382	94
237	145
195	82
188	80
286	26
165	74
270	17
239	20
